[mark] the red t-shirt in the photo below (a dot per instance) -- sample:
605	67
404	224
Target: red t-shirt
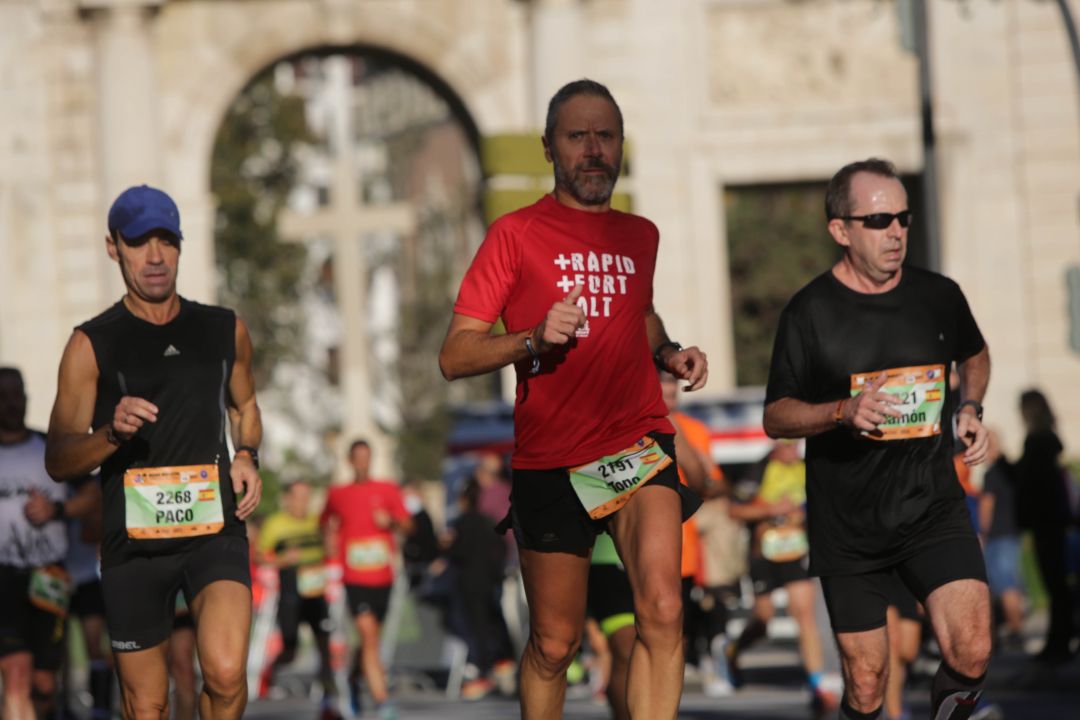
601	393
365	550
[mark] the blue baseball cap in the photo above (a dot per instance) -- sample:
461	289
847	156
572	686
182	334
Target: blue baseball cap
140	209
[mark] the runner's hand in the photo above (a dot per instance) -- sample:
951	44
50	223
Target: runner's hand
382	519
245	482
130	414
562	321
867	410
39	509
974	435
689	364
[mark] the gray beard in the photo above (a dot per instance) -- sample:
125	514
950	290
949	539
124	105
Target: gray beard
584	191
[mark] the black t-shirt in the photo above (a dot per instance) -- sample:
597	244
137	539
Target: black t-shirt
183	367
872	503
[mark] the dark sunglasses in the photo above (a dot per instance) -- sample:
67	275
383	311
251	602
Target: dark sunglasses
880	221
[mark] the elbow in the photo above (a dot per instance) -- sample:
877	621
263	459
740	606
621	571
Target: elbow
771	427
446	368
55	470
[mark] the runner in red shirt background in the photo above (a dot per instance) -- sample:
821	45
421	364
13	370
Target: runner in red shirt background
360	520
572	281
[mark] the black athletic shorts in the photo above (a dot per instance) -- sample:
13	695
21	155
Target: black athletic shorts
368	599
858	602
140	593
24	627
547	516
293	609
87	600
768	575
611	601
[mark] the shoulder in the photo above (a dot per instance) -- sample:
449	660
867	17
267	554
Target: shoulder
929	280
216	312
512	224
639	226
113	314
811	295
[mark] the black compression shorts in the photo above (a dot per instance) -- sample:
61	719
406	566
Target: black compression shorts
24	627
547	516
140	593
858	602
293	609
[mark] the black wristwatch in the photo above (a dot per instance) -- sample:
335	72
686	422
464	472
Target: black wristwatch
253	453
657	360
975	404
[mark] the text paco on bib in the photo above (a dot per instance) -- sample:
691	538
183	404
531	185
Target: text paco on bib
173	502
605	485
921	390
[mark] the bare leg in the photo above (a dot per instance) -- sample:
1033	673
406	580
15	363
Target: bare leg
622	644
144	683
864	658
960	614
222	613
182	670
801	607
367	625
649	539
1012	607
15	671
556	585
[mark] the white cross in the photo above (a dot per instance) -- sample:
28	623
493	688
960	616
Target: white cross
566	284
563	262
346	221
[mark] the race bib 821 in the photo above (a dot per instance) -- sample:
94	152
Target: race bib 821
921	391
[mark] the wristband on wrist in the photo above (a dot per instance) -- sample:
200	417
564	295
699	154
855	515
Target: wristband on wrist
252	452
838	413
533	354
975	404
658	359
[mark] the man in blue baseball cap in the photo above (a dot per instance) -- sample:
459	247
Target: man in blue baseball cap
156	379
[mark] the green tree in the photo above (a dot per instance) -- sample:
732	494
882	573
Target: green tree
253	168
777	242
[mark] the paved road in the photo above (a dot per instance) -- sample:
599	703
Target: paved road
1020	689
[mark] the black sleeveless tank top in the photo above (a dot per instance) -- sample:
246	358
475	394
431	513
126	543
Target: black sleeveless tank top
182	367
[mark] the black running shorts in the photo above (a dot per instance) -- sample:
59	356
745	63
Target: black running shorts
368	599
768	575
293	609
858	602
547	516
140	593
87	601
24	627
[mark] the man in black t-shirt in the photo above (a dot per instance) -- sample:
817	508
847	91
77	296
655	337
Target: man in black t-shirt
861	368
147	391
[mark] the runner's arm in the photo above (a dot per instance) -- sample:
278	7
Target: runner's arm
757	510
690	462
470	348
245	422
70	451
974	378
687	364
790	418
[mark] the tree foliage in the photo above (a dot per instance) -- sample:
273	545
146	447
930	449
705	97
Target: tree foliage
253	168
777	243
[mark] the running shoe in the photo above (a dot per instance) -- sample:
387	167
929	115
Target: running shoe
731	659
387	711
477	689
504	674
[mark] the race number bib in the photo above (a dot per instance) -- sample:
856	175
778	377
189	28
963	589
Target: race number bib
606	485
173	502
50	589
784	544
311	581
921	391
369	554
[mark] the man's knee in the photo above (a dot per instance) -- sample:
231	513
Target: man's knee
970	654
224	676
554	652
144	706
661	610
865	685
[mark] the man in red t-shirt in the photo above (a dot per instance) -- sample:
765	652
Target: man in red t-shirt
360	520
593	448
